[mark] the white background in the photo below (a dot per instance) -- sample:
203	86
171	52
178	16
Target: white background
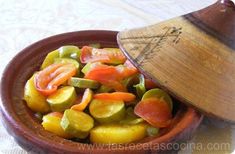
27	21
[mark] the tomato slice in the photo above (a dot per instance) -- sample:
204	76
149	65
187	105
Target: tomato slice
110	75
122	96
156	112
106	75
47	80
89	54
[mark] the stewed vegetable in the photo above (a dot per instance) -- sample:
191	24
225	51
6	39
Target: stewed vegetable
118	133
107	111
62	99
95	94
35	100
51	122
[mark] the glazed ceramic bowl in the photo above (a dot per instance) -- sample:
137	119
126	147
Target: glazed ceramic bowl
27	130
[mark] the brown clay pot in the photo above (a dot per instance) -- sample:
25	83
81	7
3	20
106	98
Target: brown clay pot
30	135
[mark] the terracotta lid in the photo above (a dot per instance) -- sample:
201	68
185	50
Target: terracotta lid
191	56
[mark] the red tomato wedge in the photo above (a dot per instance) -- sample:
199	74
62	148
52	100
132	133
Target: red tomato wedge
154	111
86	98
89	54
122	96
110	75
47	80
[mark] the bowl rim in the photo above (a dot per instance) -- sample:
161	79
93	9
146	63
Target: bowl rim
20	131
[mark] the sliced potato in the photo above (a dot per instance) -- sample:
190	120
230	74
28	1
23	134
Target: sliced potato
34	99
51	123
117	133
